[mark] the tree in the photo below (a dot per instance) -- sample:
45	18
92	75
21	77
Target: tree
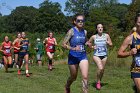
97	15
118	11
22	19
51	17
79	6
3	26
84	6
131	14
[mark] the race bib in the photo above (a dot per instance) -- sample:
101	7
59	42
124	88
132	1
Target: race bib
7	51
137	60
101	49
82	48
50	47
25	47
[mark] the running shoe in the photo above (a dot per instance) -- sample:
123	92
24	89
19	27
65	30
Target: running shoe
98	85
50	67
27	75
19	72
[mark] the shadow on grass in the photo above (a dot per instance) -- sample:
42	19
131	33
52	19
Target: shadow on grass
24	74
134	88
10	72
22	70
102	84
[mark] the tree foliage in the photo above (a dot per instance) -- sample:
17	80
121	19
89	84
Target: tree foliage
131	14
27	18
22	19
50	17
114	16
84	6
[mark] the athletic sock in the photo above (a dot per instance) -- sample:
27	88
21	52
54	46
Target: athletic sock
50	61
27	71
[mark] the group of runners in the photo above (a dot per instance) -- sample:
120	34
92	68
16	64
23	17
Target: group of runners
20	45
21	53
75	41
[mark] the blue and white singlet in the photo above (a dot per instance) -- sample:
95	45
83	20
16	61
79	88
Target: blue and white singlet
101	45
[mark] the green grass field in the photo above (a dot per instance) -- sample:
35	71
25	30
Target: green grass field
115	80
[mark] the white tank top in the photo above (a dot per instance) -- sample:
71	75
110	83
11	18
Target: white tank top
101	46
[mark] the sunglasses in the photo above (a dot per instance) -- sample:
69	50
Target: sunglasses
80	21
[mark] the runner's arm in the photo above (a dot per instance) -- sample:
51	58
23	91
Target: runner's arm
44	42
14	41
66	40
55	42
13	44
87	42
29	44
90	41
122	53
109	42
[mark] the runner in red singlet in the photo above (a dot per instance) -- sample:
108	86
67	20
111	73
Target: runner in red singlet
50	43
16	46
6	47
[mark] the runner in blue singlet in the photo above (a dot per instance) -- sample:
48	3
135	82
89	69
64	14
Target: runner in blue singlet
100	41
23	54
76	36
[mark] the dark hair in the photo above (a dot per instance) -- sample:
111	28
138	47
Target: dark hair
136	18
18	33
75	17
49	33
96	32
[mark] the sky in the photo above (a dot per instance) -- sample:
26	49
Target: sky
6	6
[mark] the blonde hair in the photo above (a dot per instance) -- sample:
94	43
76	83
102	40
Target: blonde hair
133	30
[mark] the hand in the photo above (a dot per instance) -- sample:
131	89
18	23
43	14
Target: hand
107	42
77	48
26	42
46	45
88	43
94	47
133	51
2	51
21	45
18	48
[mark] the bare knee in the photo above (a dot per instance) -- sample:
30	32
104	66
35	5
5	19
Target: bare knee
85	77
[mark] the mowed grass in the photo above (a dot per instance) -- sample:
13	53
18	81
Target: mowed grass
115	80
